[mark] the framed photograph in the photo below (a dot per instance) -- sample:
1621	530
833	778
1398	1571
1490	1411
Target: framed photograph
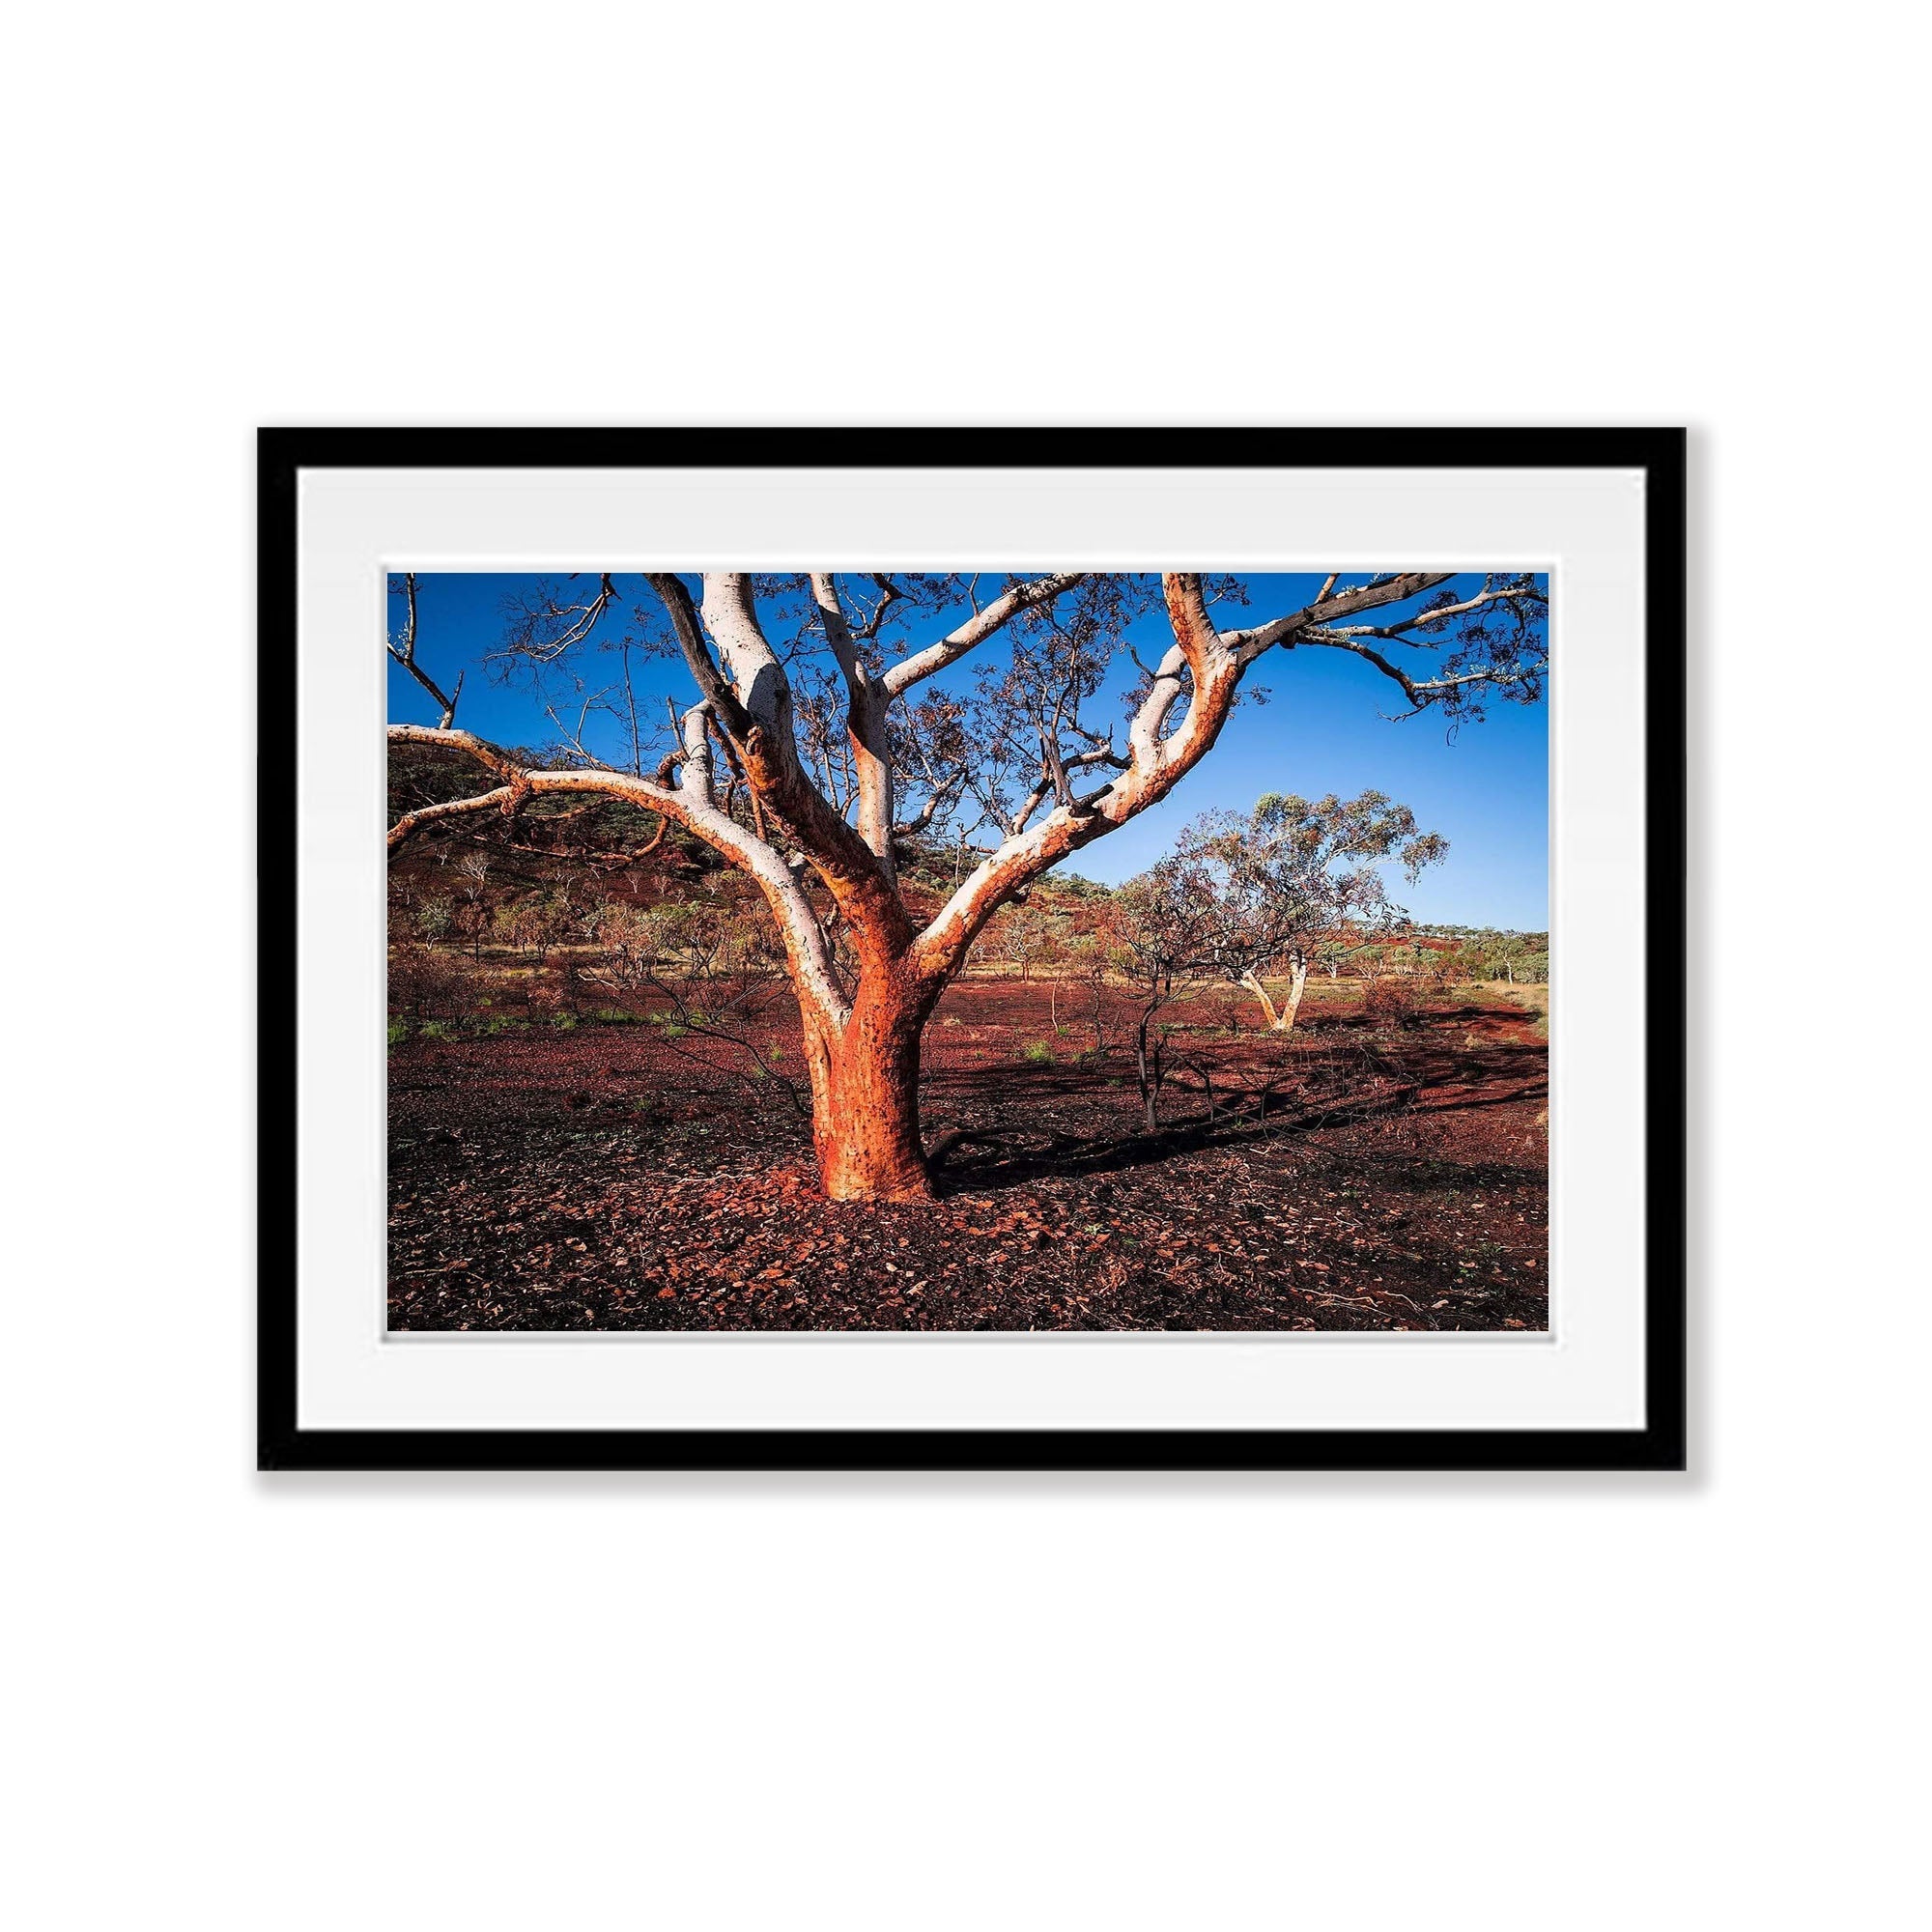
972	948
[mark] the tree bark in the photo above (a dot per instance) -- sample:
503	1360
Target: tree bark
1281	1019
1261	992
1297	984
864	1097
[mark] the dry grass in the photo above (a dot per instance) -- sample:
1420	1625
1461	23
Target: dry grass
1535	998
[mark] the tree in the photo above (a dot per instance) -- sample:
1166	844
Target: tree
538	924
1161	928
470	911
1518	956
815	740
1027	935
1290	876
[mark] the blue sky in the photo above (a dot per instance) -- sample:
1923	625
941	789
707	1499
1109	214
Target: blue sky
1483	785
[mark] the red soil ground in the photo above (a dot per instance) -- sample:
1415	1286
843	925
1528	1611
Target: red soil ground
1362	1175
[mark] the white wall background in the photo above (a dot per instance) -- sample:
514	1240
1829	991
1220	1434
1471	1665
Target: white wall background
595	1703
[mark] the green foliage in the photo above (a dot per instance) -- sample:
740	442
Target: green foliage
1295	881
432	917
1520	958
1038	1052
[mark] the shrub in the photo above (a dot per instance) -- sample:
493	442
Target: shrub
537	925
425	984
1038	1052
432	917
1388	1001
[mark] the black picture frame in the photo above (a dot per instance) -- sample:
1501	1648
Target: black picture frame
1659	1444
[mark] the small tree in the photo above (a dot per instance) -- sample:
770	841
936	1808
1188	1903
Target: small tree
537	925
431	918
1290	877
1161	928
629	937
470	913
1027	935
469	919
1088	957
1520	958
1055	953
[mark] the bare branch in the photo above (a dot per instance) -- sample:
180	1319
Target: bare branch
759	716
731	618
504	797
1420	692
1053	784
1247	645
865	723
953	646
405	654
889	594
1441	613
703	668
936	801
532	638
838	632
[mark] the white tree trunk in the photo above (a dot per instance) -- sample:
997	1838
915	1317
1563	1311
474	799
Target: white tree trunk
1297	984
1281	1020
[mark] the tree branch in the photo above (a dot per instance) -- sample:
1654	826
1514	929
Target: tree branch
1154	767
953	646
758	717
406	656
504	797
1421	693
1444	613
1247	645
865	725
697	658
691	806
731	618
